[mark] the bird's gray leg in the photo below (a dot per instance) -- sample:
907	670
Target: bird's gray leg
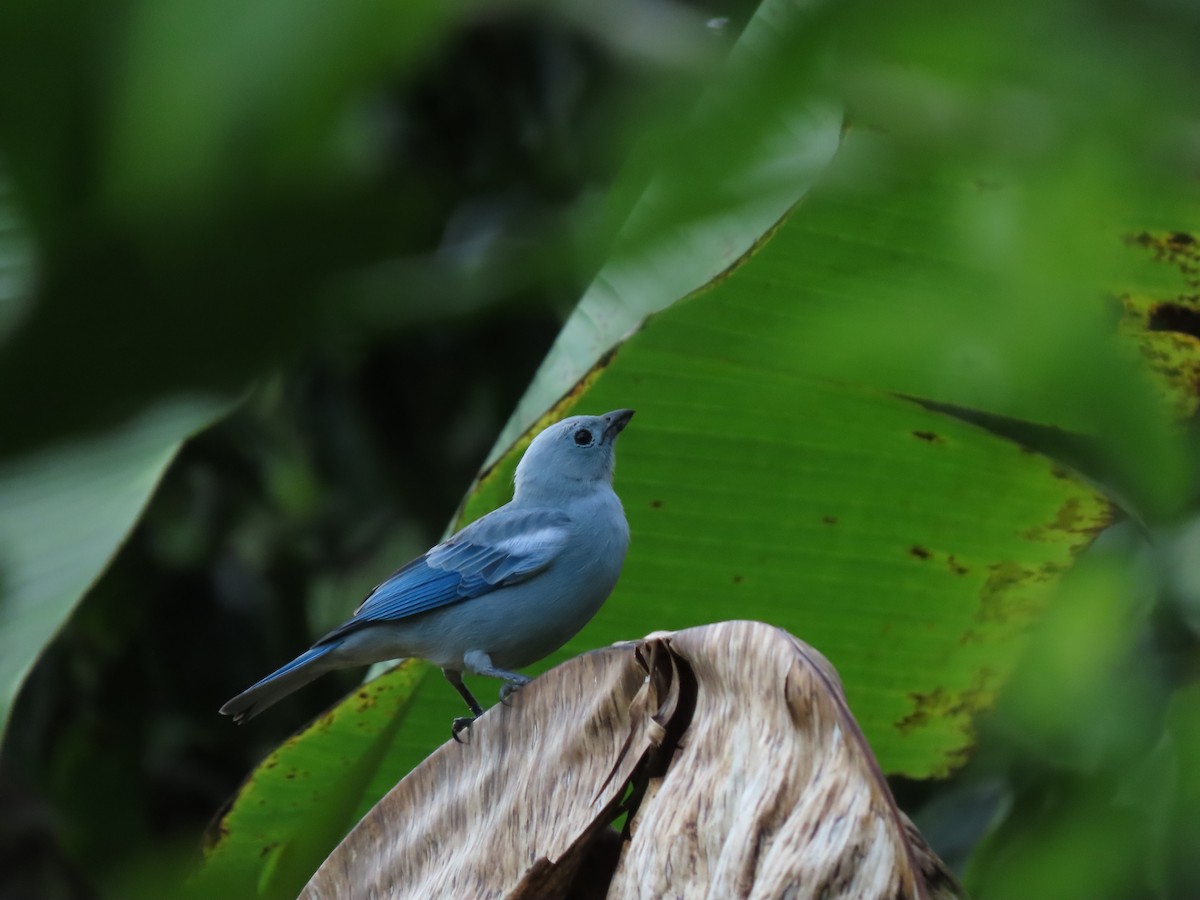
480	663
455	678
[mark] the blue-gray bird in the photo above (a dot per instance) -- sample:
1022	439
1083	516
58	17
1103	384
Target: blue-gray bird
506	591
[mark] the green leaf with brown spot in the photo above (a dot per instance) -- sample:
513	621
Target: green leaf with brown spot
773	472
911	548
1162	314
303	798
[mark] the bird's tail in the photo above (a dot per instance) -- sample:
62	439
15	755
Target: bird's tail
306	667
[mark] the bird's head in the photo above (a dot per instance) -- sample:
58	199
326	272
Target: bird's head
571	455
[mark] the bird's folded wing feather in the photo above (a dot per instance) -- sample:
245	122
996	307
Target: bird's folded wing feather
501	549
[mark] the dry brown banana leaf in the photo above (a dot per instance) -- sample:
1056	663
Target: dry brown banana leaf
730	747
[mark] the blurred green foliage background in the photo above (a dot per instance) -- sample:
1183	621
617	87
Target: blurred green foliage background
347	235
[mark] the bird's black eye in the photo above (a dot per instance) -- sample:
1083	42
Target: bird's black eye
583	437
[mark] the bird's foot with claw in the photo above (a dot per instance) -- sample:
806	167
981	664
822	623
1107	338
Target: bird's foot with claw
461	724
511	687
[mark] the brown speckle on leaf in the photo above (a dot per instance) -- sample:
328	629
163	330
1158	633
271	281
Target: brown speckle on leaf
1178	248
829	520
959	706
931	437
919	552
923	705
1176	317
1071	518
999	603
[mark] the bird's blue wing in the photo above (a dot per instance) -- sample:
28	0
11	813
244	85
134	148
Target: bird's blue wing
501	549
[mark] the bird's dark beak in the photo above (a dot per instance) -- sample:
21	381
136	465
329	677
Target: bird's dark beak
615	421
